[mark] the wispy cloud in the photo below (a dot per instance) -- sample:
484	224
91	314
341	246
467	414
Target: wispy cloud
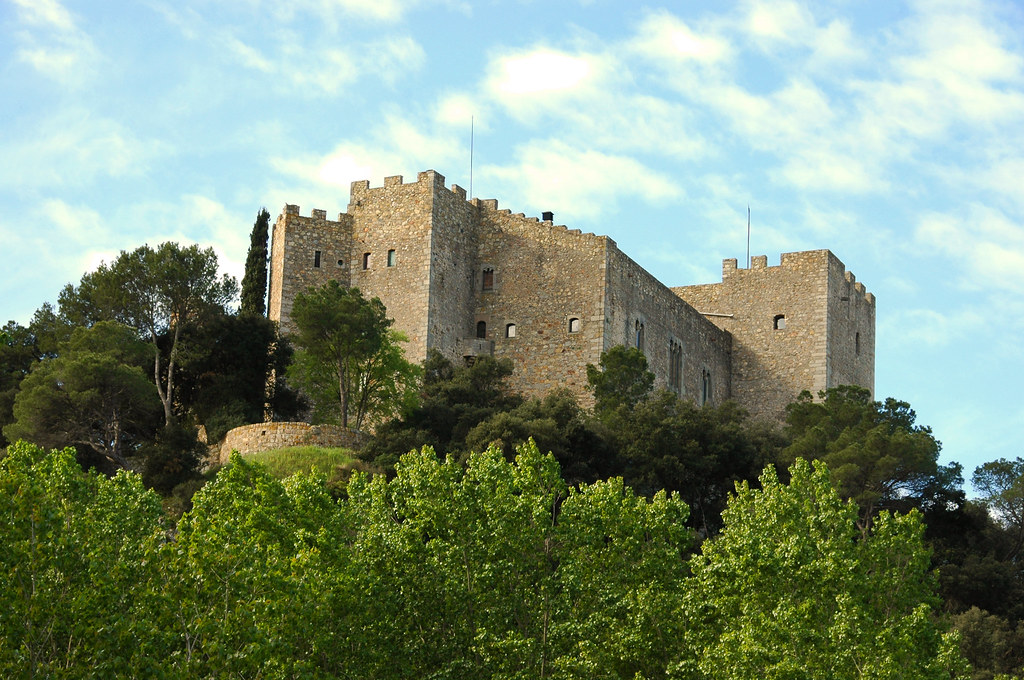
52	43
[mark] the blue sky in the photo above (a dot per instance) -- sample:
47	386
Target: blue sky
889	132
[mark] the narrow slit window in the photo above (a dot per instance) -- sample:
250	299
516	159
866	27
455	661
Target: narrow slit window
574	325
316	258
366	260
510	330
779	323
639	335
481	329
392	258
856	344
488	279
705	391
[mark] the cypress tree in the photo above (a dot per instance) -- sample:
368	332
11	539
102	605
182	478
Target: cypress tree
254	282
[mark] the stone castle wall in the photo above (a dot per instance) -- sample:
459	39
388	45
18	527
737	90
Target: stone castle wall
548	283
305	252
780	319
425	251
850	358
267	436
635	297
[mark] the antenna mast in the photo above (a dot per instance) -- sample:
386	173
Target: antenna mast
471	158
748	236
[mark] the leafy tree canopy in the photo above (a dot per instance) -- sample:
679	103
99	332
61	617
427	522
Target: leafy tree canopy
94	394
156	291
877	454
789	591
621	380
348	355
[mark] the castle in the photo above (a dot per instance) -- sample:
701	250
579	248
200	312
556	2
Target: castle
468	279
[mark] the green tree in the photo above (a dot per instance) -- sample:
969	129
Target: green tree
157	291
348	355
453	400
558	425
877	454
789	590
233	373
254	282
18	351
79	560
1000	486
621	380
94	394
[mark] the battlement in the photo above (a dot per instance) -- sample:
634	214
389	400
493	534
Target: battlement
315	213
801	261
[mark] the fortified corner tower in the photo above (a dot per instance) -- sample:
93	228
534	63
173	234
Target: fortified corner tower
405	243
805	324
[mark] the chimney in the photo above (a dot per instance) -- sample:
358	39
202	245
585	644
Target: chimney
547	216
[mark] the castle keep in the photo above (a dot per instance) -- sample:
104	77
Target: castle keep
468	279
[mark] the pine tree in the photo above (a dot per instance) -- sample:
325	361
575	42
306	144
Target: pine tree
254	282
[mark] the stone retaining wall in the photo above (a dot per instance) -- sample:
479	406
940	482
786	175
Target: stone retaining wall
266	436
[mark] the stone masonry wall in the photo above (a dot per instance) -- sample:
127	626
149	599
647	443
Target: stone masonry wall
850	357
453	263
395	217
633	295
773	360
295	264
544	276
267	436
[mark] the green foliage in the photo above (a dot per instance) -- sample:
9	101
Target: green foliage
560	426
496	569
77	562
336	464
349	357
991	646
453	401
1000	485
877	455
157	292
622	379
17	353
789	591
669	443
233	372
254	282
94	394
172	459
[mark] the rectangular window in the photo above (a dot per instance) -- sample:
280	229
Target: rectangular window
488	279
316	258
392	258
366	260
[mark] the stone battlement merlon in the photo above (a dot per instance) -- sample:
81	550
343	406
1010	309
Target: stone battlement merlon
315	213
759	263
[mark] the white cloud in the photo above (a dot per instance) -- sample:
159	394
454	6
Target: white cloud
922	327
784	21
53	45
582	183
73	147
987	246
663	36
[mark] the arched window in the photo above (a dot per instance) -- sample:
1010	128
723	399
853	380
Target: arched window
481	329
705	386
487	280
510	330
639	335
779	323
574	325
675	366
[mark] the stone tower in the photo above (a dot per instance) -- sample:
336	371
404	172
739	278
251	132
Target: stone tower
806	324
